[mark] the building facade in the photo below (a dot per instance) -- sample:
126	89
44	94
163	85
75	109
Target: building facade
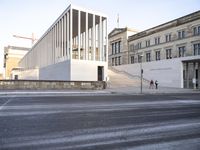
12	56
169	53
73	48
118	46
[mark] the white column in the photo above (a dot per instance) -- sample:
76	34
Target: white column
58	39
94	38
71	30
54	45
100	39
64	37
68	46
106	57
62	21
79	33
86	37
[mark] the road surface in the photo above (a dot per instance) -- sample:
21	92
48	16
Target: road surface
119	122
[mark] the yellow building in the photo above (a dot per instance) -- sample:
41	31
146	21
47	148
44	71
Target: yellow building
12	55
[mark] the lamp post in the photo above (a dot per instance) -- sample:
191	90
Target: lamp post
141	73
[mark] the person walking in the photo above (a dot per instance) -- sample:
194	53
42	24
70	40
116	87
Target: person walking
151	84
156	83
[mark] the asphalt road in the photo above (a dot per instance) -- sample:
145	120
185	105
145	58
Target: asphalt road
143	122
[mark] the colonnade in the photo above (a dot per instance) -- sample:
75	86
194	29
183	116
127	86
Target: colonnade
76	34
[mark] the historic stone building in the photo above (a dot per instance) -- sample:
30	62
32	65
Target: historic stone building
118	46
12	56
74	48
169	53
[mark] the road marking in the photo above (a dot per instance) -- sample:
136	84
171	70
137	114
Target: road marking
2	106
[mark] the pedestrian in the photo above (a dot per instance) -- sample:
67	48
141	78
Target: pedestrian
151	84
156	83
107	81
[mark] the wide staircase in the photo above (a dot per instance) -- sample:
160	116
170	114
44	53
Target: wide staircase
119	79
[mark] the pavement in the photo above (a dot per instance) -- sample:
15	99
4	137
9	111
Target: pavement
113	122
128	90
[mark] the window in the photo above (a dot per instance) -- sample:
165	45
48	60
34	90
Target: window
116	47
139	45
196	30
157	55
119	60
132	47
139	58
168	53
113	48
157	40
148	57
119	46
181	51
168	38
196	49
147	43
132	60
115	61
181	34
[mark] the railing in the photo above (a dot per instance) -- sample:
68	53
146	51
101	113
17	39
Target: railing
128	74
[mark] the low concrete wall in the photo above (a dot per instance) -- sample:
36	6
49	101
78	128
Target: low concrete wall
48	85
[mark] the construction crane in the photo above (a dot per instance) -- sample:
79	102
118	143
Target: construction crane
33	39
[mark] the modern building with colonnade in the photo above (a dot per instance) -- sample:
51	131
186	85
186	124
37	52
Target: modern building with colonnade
74	48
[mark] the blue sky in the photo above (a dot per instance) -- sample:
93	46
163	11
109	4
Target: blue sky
23	17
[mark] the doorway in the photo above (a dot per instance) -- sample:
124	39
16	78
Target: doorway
100	73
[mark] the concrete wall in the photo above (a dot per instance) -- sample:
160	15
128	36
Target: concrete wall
73	70
58	71
31	74
86	70
35	84
168	72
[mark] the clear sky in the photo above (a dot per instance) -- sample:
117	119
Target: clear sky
22	17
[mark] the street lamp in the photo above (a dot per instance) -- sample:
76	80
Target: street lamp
141	73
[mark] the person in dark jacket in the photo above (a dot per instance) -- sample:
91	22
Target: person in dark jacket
156	83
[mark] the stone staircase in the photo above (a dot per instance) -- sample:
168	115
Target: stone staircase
119	79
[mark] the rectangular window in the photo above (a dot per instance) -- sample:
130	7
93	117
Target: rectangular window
157	55
168	38
181	51
139	45
119	60
196	49
132	60
116	47
157	40
139	58
119	46
181	34
132	47
113	48
113	61
196	30
147	43
148	57
168	53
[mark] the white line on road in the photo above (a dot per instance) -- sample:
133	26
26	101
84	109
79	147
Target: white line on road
2	106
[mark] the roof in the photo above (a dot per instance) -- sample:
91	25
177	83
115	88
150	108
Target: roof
116	31
177	22
17	48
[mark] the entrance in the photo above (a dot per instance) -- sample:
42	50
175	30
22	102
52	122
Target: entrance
100	73
191	74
